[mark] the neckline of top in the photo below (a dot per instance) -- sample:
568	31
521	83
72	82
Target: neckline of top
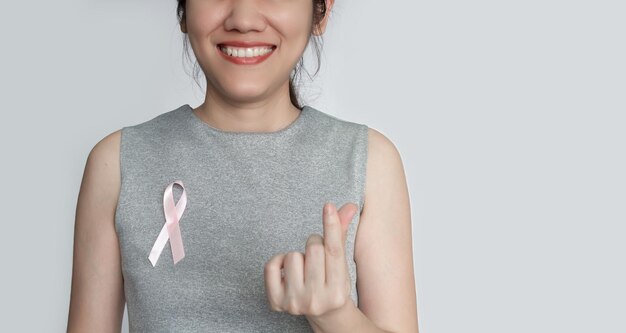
188	110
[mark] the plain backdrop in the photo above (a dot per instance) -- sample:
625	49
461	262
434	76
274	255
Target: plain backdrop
509	116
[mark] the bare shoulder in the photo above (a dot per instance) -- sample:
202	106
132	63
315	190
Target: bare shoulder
110	144
106	151
101	177
384	176
383	154
383	246
97	297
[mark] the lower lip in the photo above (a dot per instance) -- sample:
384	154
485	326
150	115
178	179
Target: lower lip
245	60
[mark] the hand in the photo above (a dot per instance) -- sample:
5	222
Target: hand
317	282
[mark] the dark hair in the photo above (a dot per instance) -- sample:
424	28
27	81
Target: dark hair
319	11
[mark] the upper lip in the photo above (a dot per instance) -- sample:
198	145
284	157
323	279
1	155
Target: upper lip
241	43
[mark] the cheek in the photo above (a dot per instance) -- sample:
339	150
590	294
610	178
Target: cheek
203	17
294	26
290	16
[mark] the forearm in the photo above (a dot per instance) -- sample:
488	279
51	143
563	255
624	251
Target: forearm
348	319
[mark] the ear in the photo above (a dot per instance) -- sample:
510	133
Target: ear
321	27
183	25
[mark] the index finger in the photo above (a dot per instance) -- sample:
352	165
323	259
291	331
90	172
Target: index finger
334	247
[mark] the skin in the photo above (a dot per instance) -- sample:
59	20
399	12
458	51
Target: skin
97	296
383	249
249	97
257	99
316	282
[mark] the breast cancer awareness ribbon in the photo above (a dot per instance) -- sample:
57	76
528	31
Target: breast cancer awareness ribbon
170	229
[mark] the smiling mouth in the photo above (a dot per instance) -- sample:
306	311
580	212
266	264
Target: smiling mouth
245	52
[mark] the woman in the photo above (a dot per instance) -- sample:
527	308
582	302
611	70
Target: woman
197	218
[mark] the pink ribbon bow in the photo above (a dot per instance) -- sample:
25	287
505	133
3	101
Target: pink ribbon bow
170	229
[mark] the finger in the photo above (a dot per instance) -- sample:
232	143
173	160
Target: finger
314	266
294	272
274	283
334	246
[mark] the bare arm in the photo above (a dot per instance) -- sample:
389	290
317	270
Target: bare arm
97	296
383	246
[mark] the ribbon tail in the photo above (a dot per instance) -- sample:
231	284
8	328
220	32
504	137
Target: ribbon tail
158	246
176	243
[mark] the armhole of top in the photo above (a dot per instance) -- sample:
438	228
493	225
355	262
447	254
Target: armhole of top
362	173
122	178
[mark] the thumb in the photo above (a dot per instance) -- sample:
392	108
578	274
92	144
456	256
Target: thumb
346	214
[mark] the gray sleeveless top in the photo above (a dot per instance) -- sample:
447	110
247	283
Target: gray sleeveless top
250	196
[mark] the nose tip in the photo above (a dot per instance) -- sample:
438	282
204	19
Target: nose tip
244	17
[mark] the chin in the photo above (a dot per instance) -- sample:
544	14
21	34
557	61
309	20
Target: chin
246	92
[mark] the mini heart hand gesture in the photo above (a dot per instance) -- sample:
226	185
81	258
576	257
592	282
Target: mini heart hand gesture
315	282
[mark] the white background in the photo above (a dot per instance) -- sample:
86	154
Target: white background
509	116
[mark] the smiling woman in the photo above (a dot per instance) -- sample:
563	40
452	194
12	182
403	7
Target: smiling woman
312	15
196	219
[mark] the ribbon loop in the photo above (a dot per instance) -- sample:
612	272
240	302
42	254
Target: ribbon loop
171	228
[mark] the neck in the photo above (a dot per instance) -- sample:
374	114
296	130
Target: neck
261	115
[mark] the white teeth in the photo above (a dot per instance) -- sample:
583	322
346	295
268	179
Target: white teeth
245	52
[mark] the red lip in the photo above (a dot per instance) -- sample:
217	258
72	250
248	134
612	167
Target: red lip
240	43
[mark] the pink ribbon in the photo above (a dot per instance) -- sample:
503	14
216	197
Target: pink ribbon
170	229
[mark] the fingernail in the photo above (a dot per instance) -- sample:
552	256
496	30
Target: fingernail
327	209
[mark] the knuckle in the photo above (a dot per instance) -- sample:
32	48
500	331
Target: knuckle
290	302
273	302
275	307
338	293
333	250
294	307
337	300
314	308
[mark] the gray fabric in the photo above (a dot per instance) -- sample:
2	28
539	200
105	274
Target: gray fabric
249	196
